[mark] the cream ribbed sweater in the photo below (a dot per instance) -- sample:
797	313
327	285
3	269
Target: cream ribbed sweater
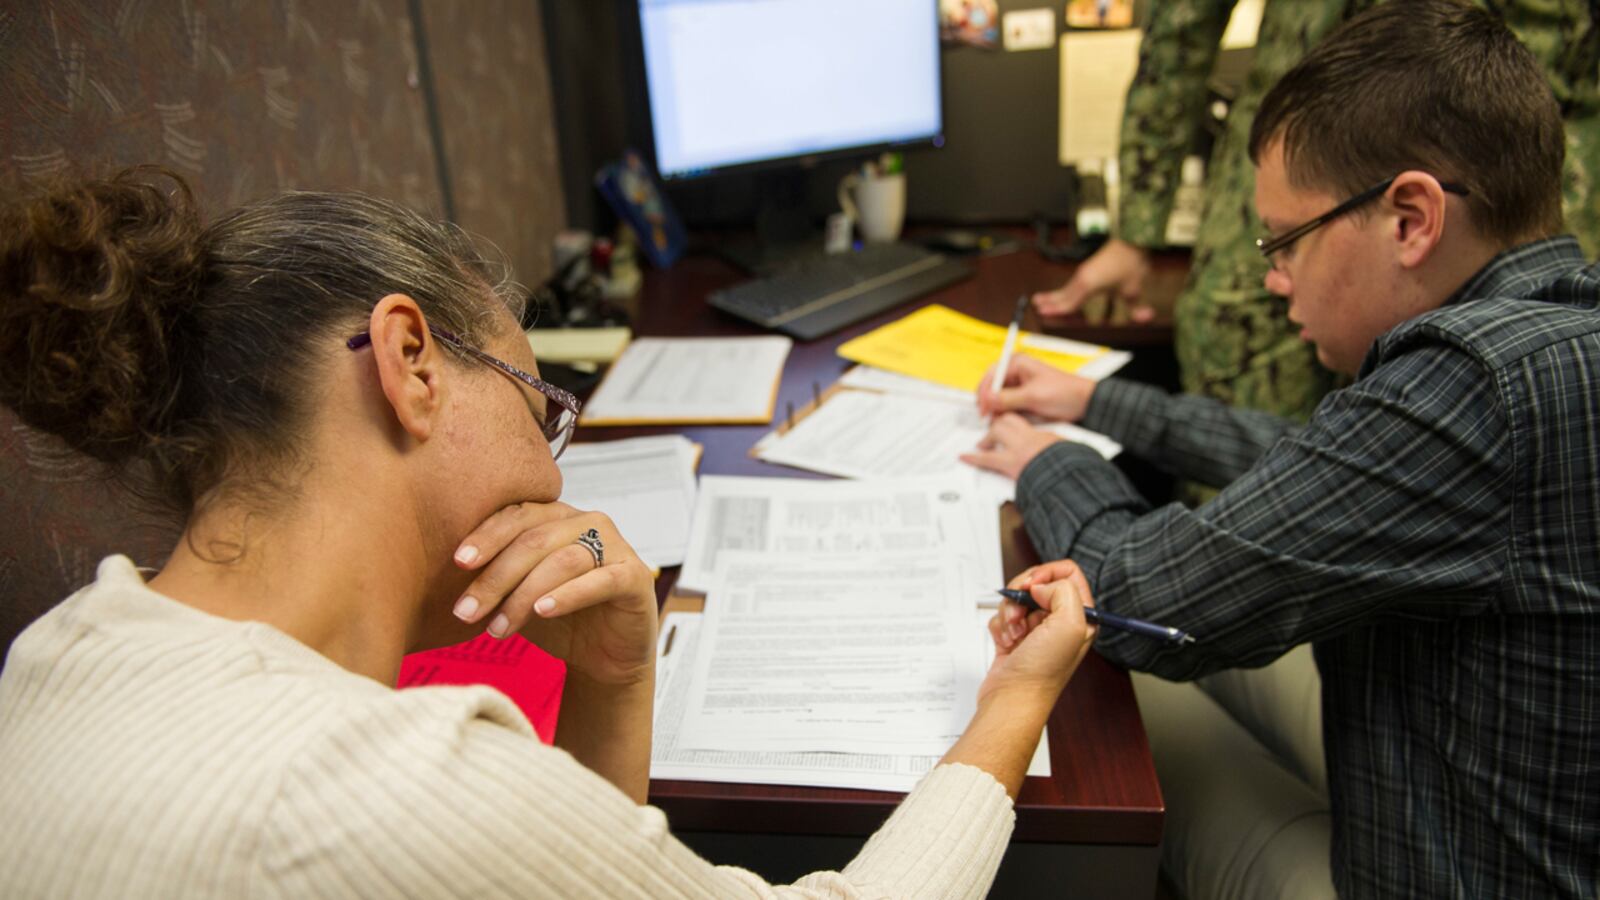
148	749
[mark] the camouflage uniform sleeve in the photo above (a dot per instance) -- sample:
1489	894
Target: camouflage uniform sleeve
1162	114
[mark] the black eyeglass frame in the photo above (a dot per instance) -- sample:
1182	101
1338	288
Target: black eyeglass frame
557	429
1268	247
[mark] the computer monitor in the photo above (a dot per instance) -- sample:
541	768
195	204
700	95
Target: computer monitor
735	84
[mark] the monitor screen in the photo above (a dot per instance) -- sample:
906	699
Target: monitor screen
738	82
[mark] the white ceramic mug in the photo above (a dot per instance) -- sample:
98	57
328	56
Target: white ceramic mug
876	203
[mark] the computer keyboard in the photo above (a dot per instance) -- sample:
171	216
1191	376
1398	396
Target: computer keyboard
826	293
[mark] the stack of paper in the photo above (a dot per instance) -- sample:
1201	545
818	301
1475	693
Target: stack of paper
679	381
578	345
646	485
849	653
670	758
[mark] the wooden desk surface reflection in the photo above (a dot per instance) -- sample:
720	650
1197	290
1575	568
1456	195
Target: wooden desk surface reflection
1103	787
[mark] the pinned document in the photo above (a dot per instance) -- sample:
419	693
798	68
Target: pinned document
940	345
691	381
865	434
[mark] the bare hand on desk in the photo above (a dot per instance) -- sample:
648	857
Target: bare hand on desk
1118	266
536	574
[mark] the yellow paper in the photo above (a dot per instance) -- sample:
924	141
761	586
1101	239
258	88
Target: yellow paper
570	345
938	344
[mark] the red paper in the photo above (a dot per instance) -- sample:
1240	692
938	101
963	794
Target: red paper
516	667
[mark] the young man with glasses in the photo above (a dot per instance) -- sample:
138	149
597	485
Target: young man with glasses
1433	530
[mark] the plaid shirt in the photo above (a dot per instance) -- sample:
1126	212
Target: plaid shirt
1434	531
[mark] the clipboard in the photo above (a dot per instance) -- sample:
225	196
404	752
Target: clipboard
795	416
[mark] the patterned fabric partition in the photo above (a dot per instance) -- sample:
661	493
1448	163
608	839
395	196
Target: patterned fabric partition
246	98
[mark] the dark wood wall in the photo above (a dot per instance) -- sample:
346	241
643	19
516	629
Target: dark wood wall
444	105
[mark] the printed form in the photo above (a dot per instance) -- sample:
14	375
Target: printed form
864	520
691	381
679	645
857	654
863	434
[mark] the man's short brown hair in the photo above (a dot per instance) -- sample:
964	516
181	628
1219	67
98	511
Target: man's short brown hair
1433	85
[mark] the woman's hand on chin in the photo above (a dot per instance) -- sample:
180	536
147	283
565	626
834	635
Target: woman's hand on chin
569	582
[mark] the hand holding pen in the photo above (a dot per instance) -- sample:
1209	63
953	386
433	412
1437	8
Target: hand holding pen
1058	638
1021	595
997	375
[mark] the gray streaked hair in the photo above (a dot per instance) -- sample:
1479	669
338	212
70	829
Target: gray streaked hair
185	357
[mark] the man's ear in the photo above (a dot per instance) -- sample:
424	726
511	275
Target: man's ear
1417	203
410	363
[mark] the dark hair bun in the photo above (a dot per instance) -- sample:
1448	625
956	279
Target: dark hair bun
94	279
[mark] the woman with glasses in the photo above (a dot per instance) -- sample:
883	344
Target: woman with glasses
334	396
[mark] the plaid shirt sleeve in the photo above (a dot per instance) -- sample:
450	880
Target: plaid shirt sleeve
1338	523
1197	438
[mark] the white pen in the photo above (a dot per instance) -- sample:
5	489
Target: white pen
998	380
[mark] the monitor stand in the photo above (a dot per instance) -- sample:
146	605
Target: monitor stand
785	235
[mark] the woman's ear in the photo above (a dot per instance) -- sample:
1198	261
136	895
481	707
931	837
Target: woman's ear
1418	204
410	363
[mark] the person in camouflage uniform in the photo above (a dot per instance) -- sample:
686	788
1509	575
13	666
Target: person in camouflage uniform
1233	340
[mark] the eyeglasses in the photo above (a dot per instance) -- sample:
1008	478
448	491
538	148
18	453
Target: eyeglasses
1273	248
557	429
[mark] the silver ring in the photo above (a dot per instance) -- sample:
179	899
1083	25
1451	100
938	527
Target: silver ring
591	542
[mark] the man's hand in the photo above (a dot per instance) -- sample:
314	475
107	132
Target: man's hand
1034	388
1118	265
1009	446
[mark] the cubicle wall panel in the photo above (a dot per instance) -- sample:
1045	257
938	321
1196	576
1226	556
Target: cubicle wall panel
247	98
58	518
244	99
496	116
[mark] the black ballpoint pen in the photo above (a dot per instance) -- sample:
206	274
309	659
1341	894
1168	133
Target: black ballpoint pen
1110	620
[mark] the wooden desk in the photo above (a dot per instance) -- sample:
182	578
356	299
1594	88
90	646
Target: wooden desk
1094	826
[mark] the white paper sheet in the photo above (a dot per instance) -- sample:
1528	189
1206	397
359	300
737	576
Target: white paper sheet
947	515
1096	69
1029	29
864	434
1101	366
872	378
678	645
689	380
646	485
844	654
